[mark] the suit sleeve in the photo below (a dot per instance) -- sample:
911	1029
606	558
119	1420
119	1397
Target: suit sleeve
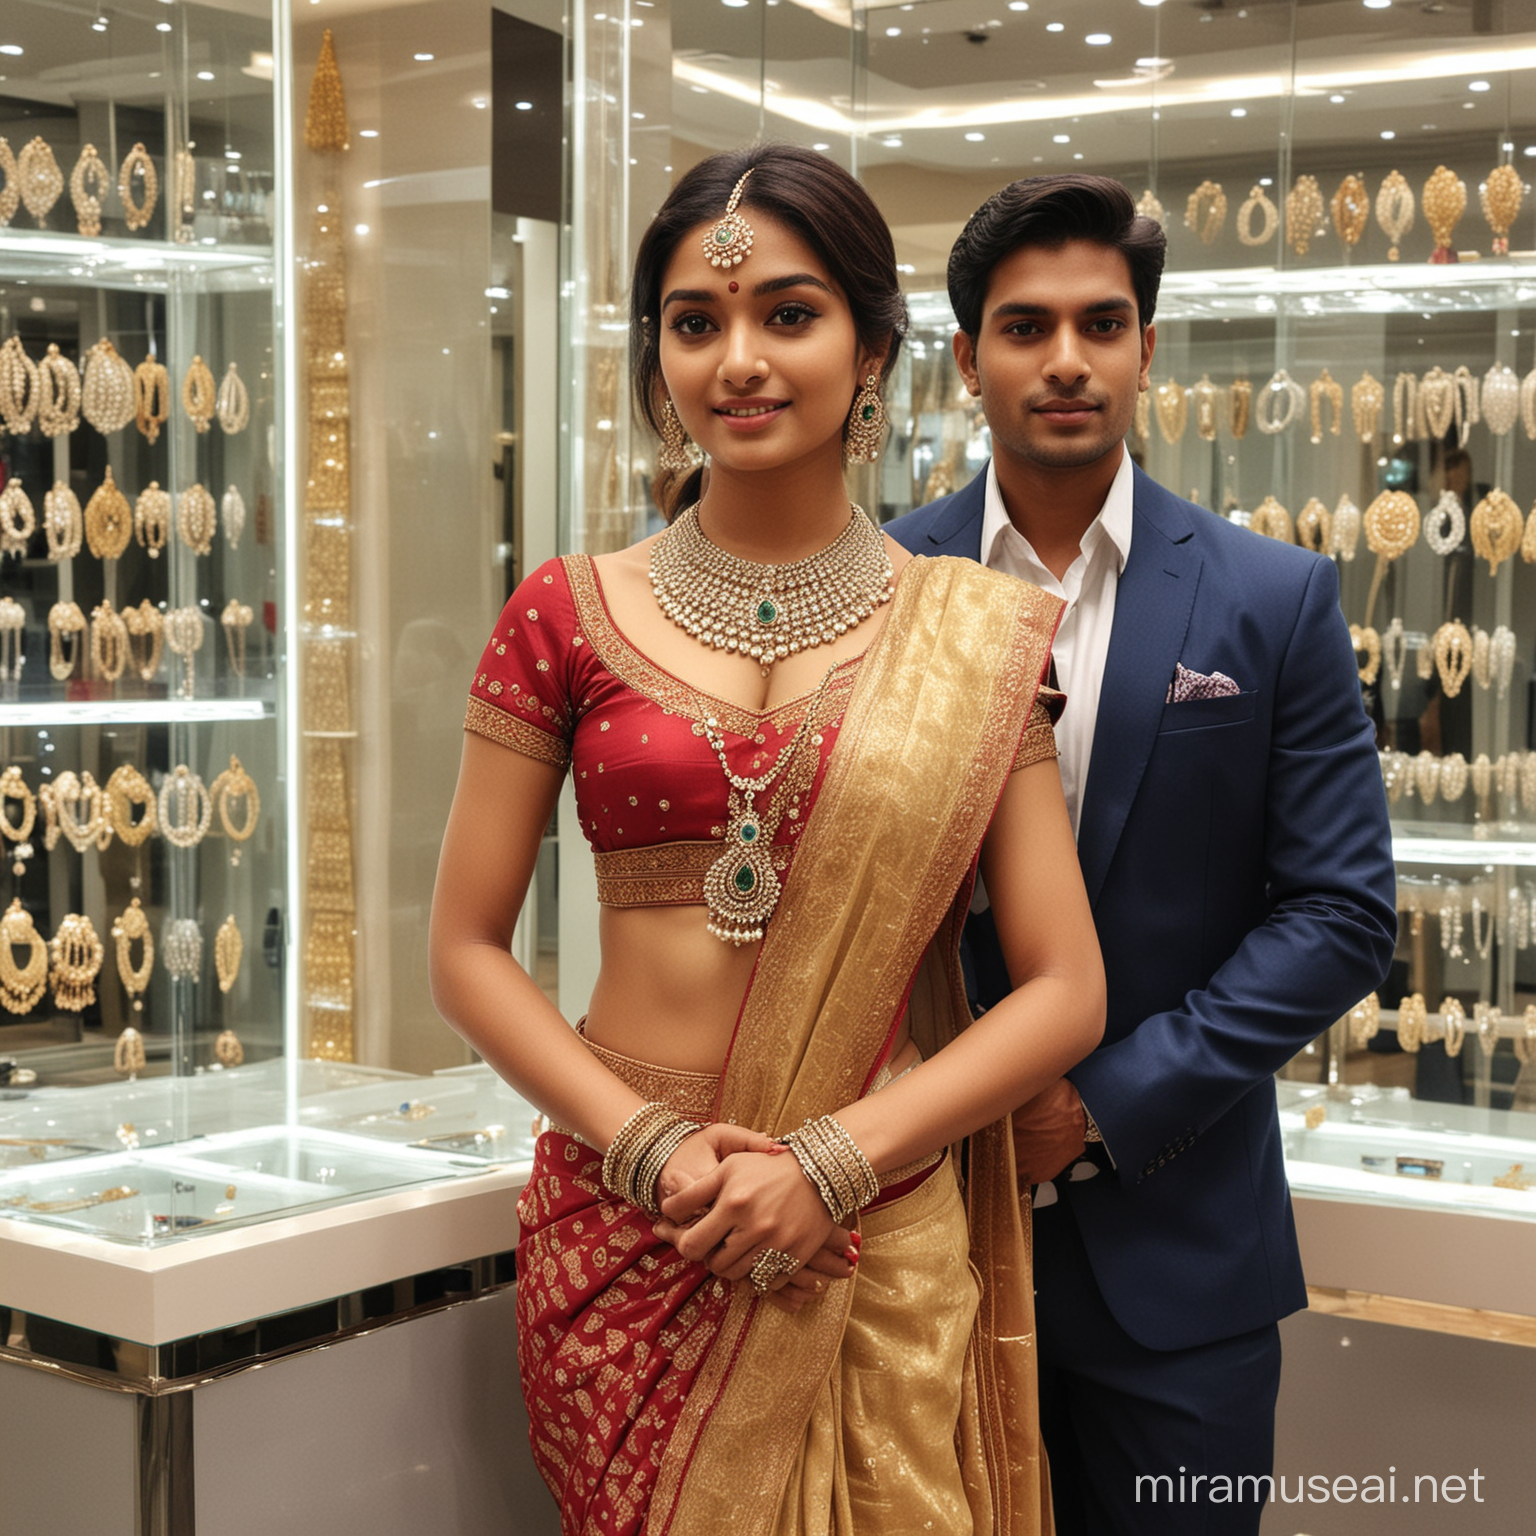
1328	938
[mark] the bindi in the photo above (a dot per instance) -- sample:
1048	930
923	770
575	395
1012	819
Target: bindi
735	287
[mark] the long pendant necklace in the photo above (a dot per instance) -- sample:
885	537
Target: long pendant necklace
763	611
742	887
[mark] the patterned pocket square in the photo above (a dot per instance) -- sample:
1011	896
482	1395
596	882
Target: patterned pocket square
1187	685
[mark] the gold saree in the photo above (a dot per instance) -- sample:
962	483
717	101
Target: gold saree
904	1400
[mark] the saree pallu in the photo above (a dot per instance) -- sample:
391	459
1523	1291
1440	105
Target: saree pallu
667	1402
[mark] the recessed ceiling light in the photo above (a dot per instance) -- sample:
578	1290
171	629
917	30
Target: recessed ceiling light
1266	181
735	5
424	58
1152	61
1336	99
893	31
822	148
1061	138
523	106
1055	26
1016	5
367	133
1151	5
1479	85
974	138
1378	5
1098	39
14	49
1530	151
359	229
205	74
162	26
1239	111
1387	133
893	141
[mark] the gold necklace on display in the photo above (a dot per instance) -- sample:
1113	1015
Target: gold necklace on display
21	986
769	611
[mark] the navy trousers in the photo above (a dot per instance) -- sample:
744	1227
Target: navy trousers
1145	1442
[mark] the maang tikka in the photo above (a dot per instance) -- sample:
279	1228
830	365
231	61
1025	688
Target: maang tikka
729	242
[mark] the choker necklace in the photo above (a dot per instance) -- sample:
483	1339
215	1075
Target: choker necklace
768	612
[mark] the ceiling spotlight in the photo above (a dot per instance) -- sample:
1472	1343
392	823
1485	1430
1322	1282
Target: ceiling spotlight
974	138
1378	5
1098	39
1336	99
1478	85
14	49
1061	138
1387	133
424	58
523	106
1239	111
1055	26
893	31
1018	5
821	148
205	74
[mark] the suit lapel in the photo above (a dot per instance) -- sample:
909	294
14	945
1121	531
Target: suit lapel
1153	602
956	528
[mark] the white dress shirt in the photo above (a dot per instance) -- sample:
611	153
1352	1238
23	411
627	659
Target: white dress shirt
1088	588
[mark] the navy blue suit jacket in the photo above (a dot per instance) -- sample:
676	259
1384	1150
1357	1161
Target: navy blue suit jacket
1238	859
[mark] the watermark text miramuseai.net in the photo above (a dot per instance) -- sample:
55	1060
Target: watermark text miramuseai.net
1387	1487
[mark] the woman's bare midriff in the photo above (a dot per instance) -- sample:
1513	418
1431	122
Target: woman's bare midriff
669	992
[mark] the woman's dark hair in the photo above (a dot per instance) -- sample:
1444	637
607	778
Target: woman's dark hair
1049	211
807	193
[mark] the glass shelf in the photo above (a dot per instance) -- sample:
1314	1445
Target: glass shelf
153	265
1389	288
61	712
1425	846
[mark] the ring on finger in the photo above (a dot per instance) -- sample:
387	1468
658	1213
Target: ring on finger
771	1264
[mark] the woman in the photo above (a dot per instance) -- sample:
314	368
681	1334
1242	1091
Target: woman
790	741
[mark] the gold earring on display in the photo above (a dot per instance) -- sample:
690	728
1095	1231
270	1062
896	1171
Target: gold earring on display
21	986
89	182
677	456
133	926
865	431
729	242
10	192
137	215
42	181
228	947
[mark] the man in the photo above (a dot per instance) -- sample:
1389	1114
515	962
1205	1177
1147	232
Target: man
1223	783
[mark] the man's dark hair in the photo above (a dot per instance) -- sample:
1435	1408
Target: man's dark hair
1049	211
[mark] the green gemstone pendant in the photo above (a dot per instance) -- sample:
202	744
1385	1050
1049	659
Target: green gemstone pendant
767	612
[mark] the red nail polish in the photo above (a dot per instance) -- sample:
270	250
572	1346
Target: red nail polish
852	1255
856	1239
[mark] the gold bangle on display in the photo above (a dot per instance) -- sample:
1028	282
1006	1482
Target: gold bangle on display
108	520
1501	196
236	620
127	788
199	398
232	404
58	394
1205	396
130	928
1206	211
21	986
1445	200
63	522
1171	404
1453	656
236	784
109	642
197	519
1239	406
1405	407
1391	524
69	794
1364	1021
13	647
1366	641
1351	209
77	954
1497	529
1314	527
1272	520
1258	202
186	808
1411	1018
1468	412
106	388
14	787
1394	210
40	179
10	193
1454	1023
152	519
146	638
1488	1018
65	624
1281	387
228	947
18	387
89	183
1303	214
1326	387
137	160
184	634
151	397
1366	399
1501	399
1453	784
18	519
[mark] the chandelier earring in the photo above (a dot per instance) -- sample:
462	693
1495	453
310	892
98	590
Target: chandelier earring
678	455
865	427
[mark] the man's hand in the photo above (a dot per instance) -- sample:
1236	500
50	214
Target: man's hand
1048	1133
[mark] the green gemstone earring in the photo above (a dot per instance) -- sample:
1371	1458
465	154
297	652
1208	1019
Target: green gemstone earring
866	424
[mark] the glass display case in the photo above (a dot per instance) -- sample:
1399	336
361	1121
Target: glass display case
150	1080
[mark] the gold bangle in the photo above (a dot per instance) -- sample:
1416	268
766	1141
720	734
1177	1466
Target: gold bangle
58	394
1454	1021
126	789
1257	202
137	215
1411	1017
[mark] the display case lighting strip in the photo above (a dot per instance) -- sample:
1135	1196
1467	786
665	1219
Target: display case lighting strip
55	713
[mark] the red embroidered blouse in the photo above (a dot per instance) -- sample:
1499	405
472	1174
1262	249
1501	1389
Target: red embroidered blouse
560	683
